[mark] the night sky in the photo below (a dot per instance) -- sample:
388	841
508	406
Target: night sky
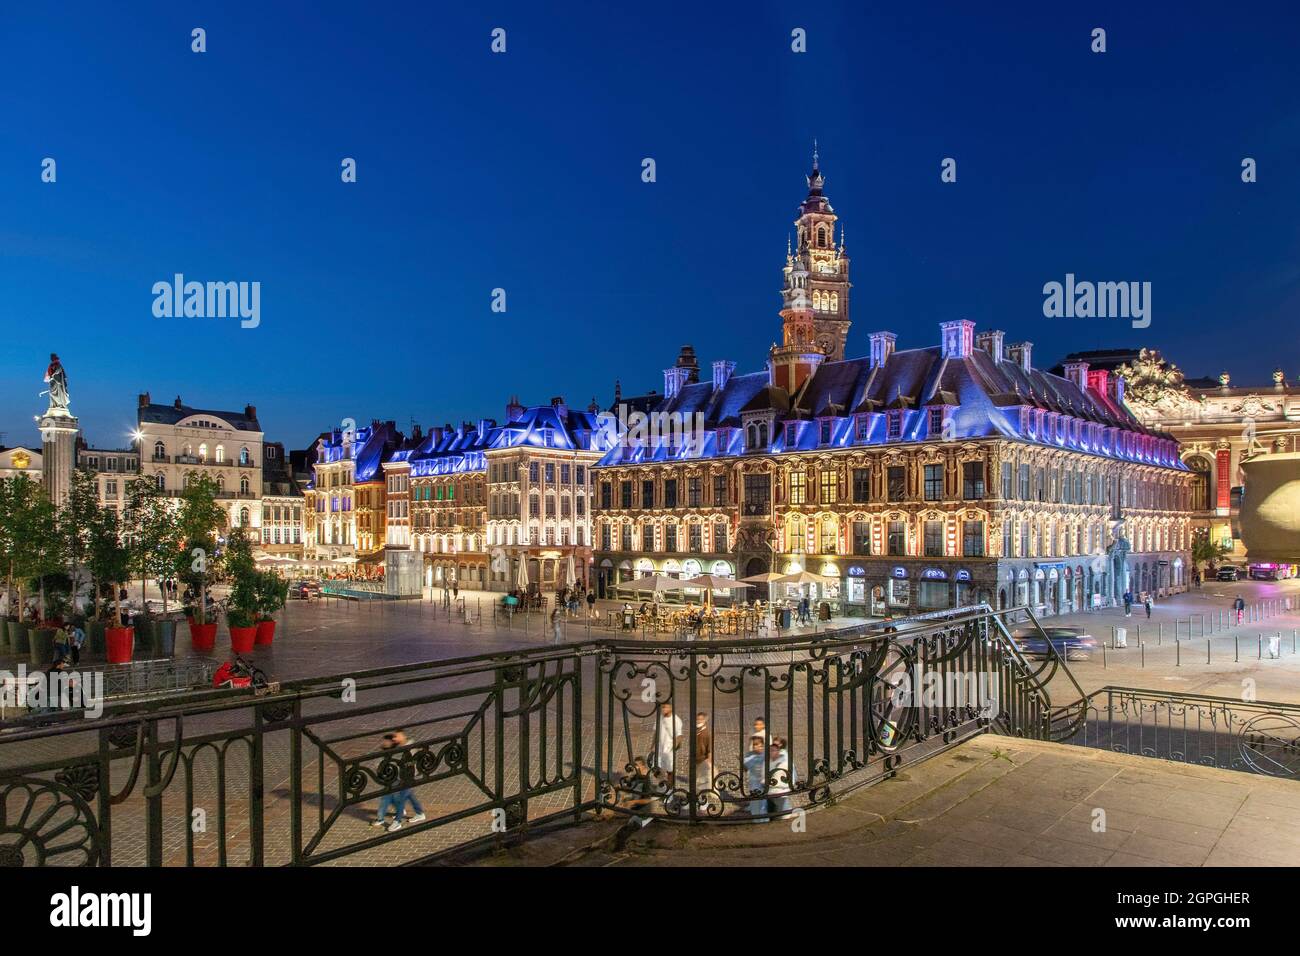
523	171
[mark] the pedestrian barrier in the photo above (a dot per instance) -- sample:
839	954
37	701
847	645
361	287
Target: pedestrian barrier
502	744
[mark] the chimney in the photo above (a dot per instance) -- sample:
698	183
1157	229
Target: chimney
514	411
1077	372
991	342
1021	354
144	399
594	407
882	346
1117	389
561	409
1099	381
250	411
956	338
722	374
416	433
674	379
686	359
177	403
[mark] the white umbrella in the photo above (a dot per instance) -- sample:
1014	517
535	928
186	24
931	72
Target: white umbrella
521	578
571	576
656	583
767	577
712	582
803	577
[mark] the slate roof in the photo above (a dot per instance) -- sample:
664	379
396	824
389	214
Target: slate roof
172	414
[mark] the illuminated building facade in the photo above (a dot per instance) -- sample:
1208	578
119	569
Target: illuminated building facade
178	443
448	504
114	469
348	470
914	480
282	505
1219	426
539	495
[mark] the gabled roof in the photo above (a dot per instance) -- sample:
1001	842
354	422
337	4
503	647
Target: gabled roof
172	414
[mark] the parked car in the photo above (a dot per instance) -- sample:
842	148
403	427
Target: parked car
1227	573
1263	572
1072	643
304	589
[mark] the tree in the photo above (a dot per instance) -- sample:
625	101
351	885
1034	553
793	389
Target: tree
108	557
197	522
34	543
245	580
1205	550
157	533
77	519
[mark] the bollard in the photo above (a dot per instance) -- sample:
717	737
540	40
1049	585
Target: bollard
1207	651
1161	638
1260	639
1143	648
1178	653
1103	656
1236	645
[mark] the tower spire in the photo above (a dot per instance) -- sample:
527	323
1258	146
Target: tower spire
815	166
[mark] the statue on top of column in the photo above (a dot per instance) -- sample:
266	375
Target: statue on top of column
57	378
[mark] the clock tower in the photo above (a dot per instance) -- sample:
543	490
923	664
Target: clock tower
822	267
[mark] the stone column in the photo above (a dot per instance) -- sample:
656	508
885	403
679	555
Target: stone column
58	454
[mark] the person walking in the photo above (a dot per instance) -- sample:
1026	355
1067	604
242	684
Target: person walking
1147	604
805	612
1128	603
668	737
396	801
703	753
1239	606
591	603
557	623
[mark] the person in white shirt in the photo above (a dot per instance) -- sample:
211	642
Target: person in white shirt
668	737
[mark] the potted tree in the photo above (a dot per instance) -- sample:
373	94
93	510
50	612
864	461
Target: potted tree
272	592
32	534
199	558
245	593
108	560
155	529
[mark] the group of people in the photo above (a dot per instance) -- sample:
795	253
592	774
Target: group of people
769	770
1145	599
397	802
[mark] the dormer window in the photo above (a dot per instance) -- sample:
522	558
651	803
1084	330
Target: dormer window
935	424
824	435
894	428
791	434
862	428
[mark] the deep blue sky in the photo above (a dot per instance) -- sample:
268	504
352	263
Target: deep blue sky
522	171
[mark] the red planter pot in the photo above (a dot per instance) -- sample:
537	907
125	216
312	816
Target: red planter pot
120	642
203	637
265	631
242	639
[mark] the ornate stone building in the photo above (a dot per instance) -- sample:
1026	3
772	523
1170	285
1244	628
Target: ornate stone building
539	495
1219	426
114	468
282	505
913	480
347	494
177	443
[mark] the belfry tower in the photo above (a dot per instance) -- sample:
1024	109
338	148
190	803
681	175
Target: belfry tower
824	268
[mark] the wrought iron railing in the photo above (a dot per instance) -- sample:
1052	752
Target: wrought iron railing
1231	734
499	745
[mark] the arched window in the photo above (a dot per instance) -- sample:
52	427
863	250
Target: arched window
221	453
1200	468
243	486
835	301
159	450
221	483
762	435
203	451
817	301
243	456
243	517
161	481
821	237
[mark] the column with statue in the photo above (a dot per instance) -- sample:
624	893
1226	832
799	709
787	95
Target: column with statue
59	428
